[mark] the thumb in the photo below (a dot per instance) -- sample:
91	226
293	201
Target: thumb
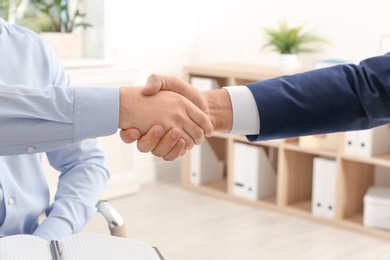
152	86
130	135
156	83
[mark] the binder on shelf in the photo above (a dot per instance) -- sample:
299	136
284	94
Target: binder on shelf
367	142
241	156
204	84
79	246
204	164
373	141
254	175
351	142
324	187
318	189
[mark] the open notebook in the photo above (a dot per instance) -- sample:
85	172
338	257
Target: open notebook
76	247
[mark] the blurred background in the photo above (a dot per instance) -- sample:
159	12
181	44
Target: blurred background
121	42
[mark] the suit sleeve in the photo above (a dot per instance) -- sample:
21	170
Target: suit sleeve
335	99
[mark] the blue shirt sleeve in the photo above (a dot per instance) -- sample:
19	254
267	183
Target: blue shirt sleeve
82	181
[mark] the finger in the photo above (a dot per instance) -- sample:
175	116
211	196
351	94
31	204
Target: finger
202	121
156	83
167	143
152	86
192	94
150	140
195	132
130	135
189	141
176	151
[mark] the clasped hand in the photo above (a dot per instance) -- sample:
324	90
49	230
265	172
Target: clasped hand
169	116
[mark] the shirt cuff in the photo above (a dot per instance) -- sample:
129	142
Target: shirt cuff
246	119
53	229
96	112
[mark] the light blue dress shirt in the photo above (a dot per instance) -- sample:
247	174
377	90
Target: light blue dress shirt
40	112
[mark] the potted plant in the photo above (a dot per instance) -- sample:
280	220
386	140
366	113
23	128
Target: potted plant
59	30
289	42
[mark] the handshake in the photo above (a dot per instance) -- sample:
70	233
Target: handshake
169	116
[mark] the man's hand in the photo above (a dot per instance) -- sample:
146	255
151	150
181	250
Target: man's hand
156	83
167	109
216	104
168	146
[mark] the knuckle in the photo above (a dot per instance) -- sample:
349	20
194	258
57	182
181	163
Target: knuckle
157	153
189	145
153	76
142	148
168	158
198	136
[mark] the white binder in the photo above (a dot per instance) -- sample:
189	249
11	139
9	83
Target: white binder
373	141
318	189
254	175
324	187
241	156
351	142
204	164
330	189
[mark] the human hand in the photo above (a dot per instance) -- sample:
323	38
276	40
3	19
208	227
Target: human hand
168	146
215	103
167	109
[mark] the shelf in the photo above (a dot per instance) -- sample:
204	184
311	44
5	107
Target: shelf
293	163
319	152
270	143
304	205
220	185
355	223
381	160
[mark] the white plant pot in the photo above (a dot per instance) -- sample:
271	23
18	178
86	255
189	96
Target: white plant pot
289	62
65	45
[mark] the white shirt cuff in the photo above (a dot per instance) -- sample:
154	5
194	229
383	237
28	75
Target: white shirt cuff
246	119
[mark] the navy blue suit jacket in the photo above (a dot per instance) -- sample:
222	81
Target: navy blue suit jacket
335	99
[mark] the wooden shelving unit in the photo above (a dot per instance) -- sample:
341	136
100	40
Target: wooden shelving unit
294	163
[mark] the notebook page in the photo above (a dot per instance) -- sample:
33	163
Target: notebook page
22	247
103	247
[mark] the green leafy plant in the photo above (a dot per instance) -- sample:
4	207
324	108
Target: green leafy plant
290	40
8	8
58	12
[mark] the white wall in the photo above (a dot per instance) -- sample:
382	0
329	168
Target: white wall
232	30
157	36
162	36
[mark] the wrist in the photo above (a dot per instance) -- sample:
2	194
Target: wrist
125	104
220	109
